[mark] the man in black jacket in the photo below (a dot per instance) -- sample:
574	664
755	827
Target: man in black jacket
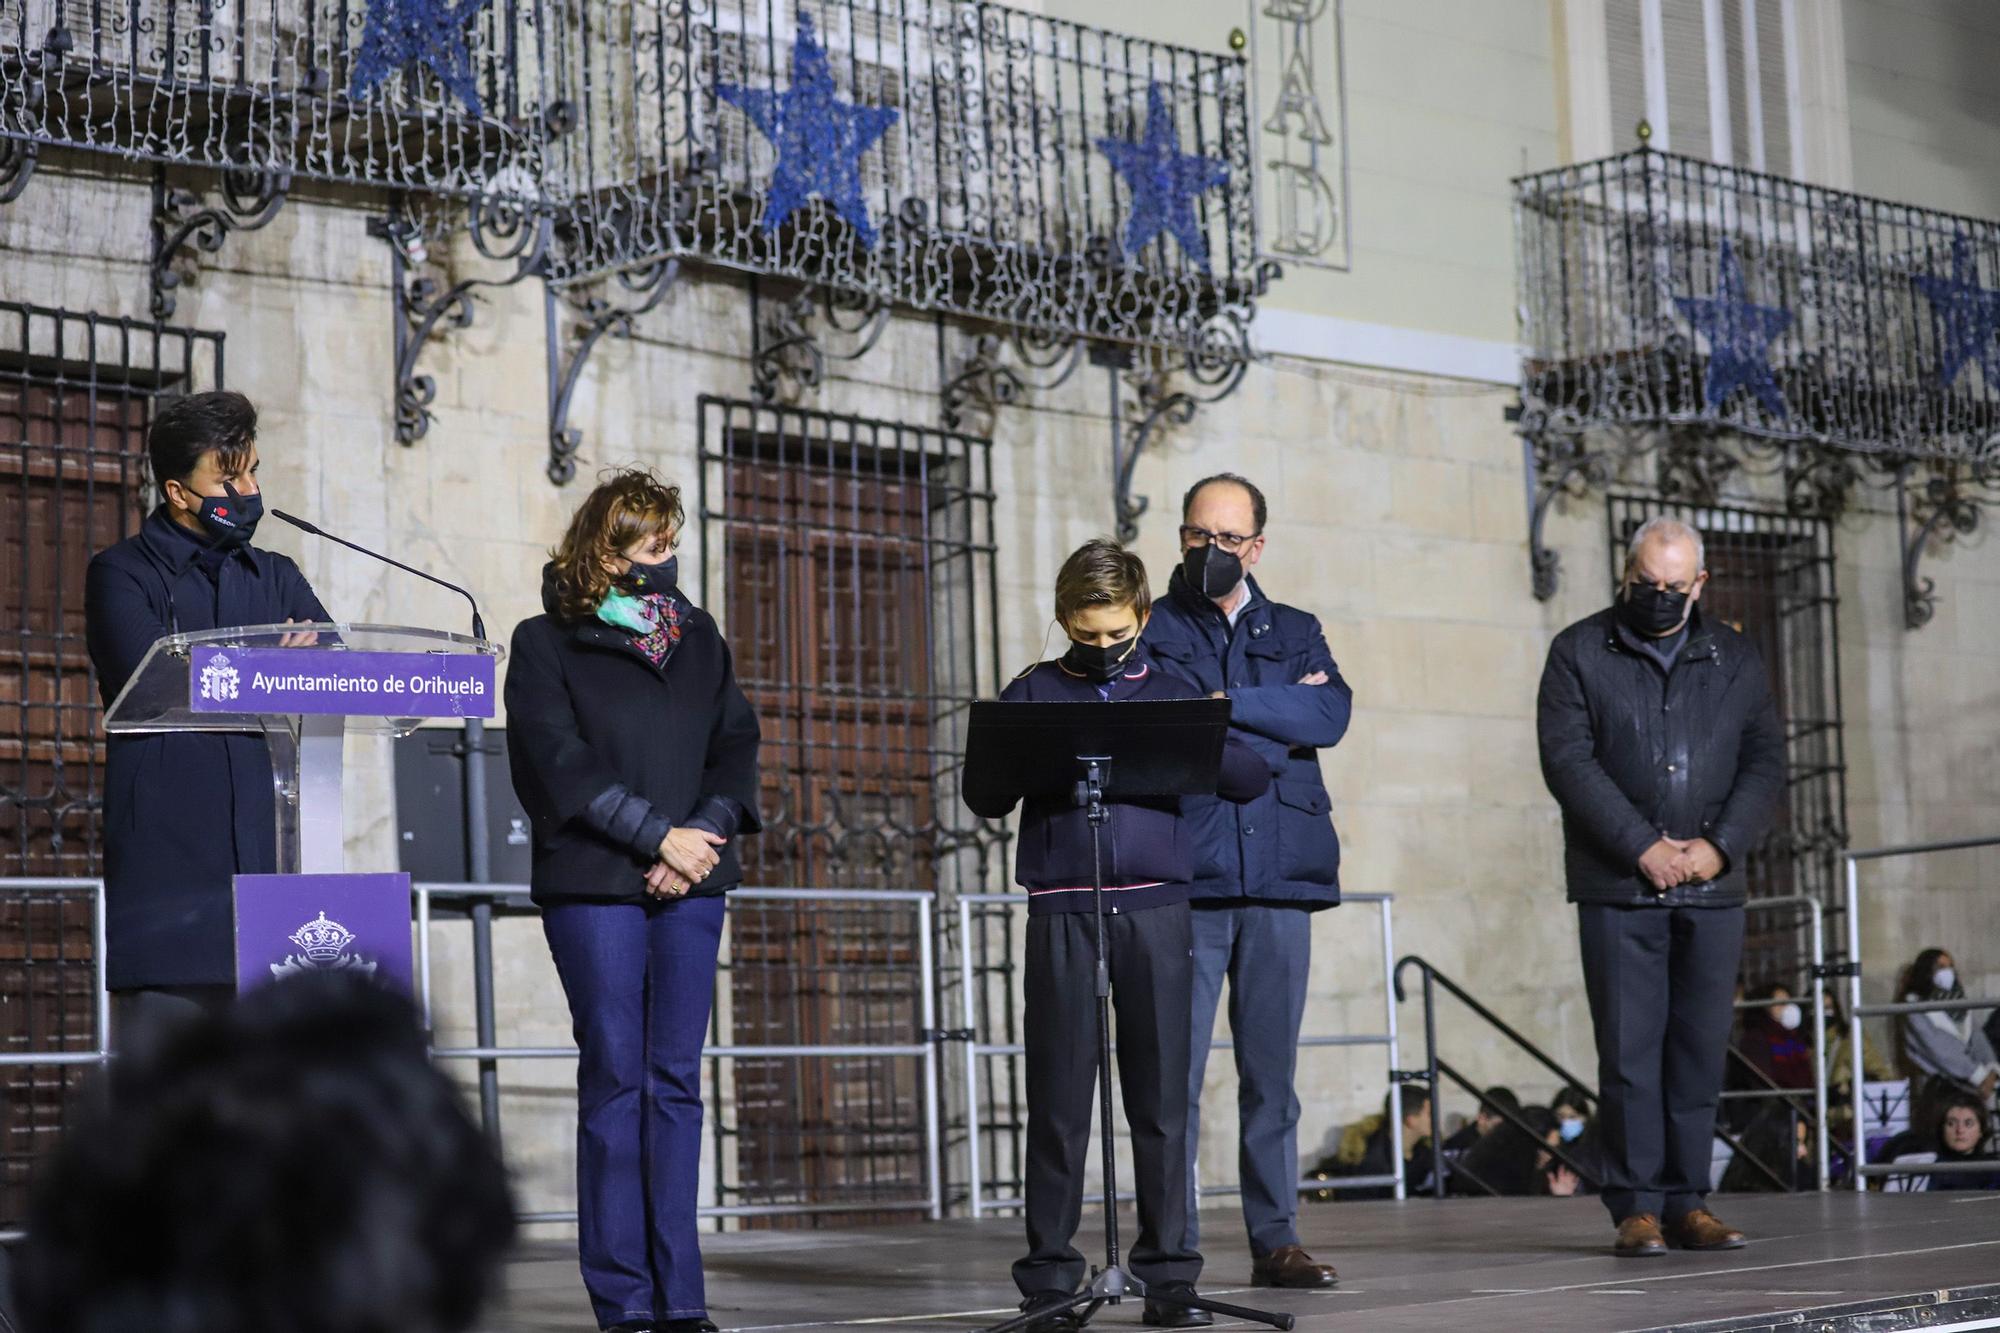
186	812
1660	742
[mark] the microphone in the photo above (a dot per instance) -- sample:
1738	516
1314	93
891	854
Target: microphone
478	625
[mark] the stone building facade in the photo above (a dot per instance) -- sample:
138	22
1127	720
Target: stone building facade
1375	414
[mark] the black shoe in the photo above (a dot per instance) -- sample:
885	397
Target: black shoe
1056	1320
1172	1314
694	1325
634	1326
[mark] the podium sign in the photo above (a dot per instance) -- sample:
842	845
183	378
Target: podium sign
340	682
288	924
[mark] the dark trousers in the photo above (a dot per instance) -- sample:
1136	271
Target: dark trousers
1150	974
1662	984
640	982
140	1018
1264	952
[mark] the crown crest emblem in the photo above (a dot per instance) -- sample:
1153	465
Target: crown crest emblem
322	941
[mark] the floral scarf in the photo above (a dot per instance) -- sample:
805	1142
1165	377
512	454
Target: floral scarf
653	621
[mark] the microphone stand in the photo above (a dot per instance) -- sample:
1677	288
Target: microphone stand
471	752
1112	1283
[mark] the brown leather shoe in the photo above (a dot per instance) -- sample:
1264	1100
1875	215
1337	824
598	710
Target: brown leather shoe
1290	1266
1703	1230
1639	1238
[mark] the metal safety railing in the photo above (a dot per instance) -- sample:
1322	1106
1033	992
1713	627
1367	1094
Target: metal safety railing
95	888
920	1049
1857	1011
976	1051
1437	1068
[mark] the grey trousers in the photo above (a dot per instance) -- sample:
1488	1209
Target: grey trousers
1264	952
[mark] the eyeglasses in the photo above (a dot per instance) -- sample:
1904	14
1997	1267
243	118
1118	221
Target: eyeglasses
1228	541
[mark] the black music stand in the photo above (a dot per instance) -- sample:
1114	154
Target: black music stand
1087	754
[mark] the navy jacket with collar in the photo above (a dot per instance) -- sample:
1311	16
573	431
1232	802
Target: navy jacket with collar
1280	847
1147	856
183	813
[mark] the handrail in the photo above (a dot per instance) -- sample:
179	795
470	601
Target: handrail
101	996
1851	860
1433	977
975	1050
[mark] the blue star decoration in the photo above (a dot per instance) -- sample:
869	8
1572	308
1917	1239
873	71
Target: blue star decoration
1164	181
1739	333
820	139
1967	315
398	34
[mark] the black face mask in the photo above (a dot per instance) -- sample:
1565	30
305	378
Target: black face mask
1100	664
229	519
1211	571
659	576
1651	612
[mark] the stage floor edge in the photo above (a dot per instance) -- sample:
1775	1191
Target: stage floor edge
1833	1263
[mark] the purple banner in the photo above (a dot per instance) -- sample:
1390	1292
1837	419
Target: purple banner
334	680
288	924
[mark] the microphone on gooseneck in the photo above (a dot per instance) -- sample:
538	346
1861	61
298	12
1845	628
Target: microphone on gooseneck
478	625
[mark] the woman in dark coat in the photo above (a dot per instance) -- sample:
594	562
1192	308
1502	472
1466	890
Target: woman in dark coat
635	755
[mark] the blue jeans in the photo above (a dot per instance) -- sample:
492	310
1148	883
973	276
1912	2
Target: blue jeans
1264	952
640	982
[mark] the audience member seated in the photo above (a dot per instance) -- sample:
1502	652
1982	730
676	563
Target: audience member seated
1957	1132
1775	1041
1508	1161
1942	1052
294	1162
1365	1149
1487	1119
1780	1138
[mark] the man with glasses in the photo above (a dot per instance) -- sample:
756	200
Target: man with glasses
1262	867
1660	743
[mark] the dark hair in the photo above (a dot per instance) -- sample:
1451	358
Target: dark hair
222	422
1957	1099
1768	990
1102	573
1918	979
1496	1097
629	505
1572	1098
295	1162
1257	507
1542	1121
1416	1096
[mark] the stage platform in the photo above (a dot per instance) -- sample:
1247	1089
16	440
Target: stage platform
1836	1263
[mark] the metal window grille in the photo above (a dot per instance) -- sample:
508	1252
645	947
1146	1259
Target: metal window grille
1771	576
76	393
851	562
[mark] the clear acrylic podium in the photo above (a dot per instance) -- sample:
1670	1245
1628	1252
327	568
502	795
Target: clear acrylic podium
306	741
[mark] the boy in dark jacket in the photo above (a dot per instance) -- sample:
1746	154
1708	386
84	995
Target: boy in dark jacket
1102	603
186	812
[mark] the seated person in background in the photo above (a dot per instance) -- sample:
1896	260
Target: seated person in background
1376	1155
1781	1139
1576	1128
294	1162
1954	1132
1102	602
1485	1121
1941	1051
1508	1161
1775	1041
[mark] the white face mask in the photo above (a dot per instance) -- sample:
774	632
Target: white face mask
1790	1017
1944	978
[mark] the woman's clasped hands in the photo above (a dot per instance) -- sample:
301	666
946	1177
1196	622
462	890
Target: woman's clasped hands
686	856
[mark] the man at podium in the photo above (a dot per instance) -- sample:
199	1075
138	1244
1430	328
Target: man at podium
185	813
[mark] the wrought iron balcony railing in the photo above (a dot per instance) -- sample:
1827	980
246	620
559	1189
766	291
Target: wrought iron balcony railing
1842	336
1060	178
948	155
1663	289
